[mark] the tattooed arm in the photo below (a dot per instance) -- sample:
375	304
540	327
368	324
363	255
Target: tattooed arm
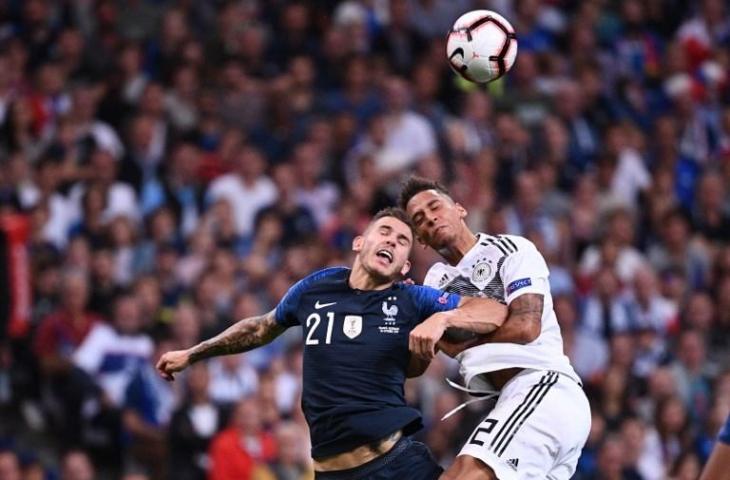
524	320
242	336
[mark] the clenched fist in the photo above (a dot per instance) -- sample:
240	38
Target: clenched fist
172	362
423	339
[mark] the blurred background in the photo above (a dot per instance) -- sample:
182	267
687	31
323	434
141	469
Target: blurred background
169	167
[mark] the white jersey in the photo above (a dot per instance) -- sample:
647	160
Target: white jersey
503	267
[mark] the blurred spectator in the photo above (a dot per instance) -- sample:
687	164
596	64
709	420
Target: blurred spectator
692	373
112	353
528	211
407	136
149	402
672	424
398	40
612	463
295	217
247	189
583	143
192	427
181	190
76	465
243	448
711	217
605	312
586	350
643	450
677	250
292	461
231	378
630	177
59	337
314	193
9	466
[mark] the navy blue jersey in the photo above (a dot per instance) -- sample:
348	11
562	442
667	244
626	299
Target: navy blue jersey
356	355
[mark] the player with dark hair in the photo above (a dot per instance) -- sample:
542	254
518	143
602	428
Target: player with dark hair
356	353
541	420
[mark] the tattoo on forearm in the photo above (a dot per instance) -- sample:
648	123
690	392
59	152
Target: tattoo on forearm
240	337
530	305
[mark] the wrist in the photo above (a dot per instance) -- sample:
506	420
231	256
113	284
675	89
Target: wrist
447	319
192	355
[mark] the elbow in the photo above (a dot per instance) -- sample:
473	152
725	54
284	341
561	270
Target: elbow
523	330
528	333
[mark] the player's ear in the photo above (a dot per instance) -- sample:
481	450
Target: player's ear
462	211
406	268
357	243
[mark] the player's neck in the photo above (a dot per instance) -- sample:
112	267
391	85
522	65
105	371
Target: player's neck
360	279
454	252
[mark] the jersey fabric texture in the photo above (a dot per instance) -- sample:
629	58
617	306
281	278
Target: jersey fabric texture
356	356
503	267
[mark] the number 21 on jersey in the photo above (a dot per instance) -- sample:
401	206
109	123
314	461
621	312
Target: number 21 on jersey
352	327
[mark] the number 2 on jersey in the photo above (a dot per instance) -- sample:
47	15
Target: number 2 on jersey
312	324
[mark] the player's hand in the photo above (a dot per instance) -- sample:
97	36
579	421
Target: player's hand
423	339
172	362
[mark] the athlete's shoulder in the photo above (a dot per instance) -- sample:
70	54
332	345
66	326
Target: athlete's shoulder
507	244
286	310
318	277
329	273
437	276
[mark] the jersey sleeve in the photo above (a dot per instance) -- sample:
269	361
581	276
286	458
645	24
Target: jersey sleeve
434	275
429	301
524	271
286	311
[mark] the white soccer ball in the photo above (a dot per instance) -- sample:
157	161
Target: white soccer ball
481	46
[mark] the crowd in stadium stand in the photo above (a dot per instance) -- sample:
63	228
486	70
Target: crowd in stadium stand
181	164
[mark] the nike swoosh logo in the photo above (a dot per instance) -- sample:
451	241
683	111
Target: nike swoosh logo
318	305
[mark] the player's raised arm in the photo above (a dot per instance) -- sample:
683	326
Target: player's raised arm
242	336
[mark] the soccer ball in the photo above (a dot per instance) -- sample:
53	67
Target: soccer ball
481	46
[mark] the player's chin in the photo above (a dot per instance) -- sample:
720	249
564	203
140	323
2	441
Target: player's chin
388	272
437	243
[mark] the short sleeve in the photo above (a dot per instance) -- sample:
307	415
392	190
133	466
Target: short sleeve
524	271
434	275
429	301
286	311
